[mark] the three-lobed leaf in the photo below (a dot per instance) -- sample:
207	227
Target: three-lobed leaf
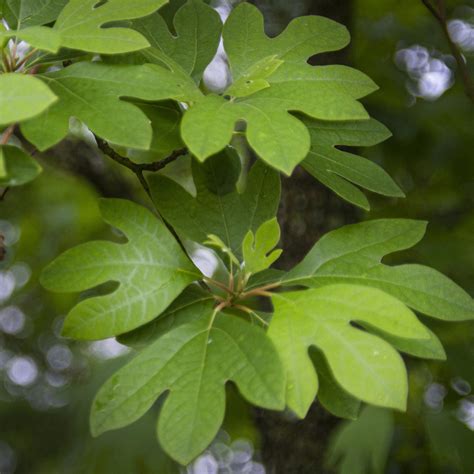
151	270
257	248
271	79
364	365
218	208
193	362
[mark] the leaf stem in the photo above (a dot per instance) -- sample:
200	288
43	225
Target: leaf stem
260	291
25	59
211	281
7	134
251	312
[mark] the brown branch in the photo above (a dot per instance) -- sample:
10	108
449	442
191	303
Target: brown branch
439	13
7	134
138	168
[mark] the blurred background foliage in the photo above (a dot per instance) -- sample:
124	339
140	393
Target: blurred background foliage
47	383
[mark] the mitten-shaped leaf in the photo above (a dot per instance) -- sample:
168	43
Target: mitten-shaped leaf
151	269
338	169
353	254
218	208
92	92
198	30
257	248
362	364
272	78
22	97
193	362
81	22
16	167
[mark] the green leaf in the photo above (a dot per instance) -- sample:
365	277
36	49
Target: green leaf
92	93
353	254
22	97
80	25
198	30
423	348
192	304
271	79
3	170
246	43
362	446
227	215
40	37
193	362
151	270
338	169
330	394
165	118
362	364
16	167
26	13
254	79
257	248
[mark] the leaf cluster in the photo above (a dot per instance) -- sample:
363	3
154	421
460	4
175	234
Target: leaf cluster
193	291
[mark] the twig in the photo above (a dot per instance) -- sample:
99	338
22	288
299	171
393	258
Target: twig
260	291
4	193
220	285
439	13
7	134
26	58
138	168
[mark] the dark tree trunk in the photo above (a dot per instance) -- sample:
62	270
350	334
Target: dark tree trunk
308	210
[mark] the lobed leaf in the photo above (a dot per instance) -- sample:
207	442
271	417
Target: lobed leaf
272	79
218	208
257	248
193	362
364	365
80	25
151	269
340	170
330	394
353	254
198	30
92	92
